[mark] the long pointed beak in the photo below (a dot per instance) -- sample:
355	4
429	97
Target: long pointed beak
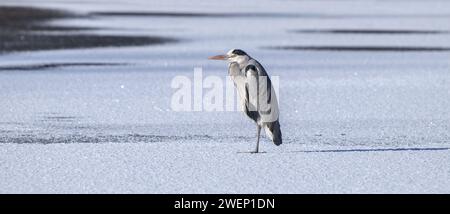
219	57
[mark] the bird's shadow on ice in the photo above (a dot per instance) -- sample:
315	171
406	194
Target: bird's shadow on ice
251	152
370	150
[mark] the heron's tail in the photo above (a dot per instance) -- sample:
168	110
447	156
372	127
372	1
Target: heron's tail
274	132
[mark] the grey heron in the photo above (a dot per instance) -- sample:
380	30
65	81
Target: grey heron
256	93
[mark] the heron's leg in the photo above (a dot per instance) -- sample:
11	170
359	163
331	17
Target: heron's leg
258	131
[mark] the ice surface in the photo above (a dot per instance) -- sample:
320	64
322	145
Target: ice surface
351	120
178	167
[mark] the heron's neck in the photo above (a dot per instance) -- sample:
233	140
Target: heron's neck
243	63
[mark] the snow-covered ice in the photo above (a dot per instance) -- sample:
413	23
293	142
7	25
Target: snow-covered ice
352	121
176	167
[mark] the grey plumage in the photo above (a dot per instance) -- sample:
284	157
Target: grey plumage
257	96
252	72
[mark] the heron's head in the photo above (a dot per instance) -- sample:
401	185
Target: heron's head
233	55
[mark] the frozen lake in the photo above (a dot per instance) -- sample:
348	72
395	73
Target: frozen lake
364	97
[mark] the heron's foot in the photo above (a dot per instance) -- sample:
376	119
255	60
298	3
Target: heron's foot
252	152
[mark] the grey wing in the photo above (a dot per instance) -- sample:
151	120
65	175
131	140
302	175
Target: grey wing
251	93
264	98
260	93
